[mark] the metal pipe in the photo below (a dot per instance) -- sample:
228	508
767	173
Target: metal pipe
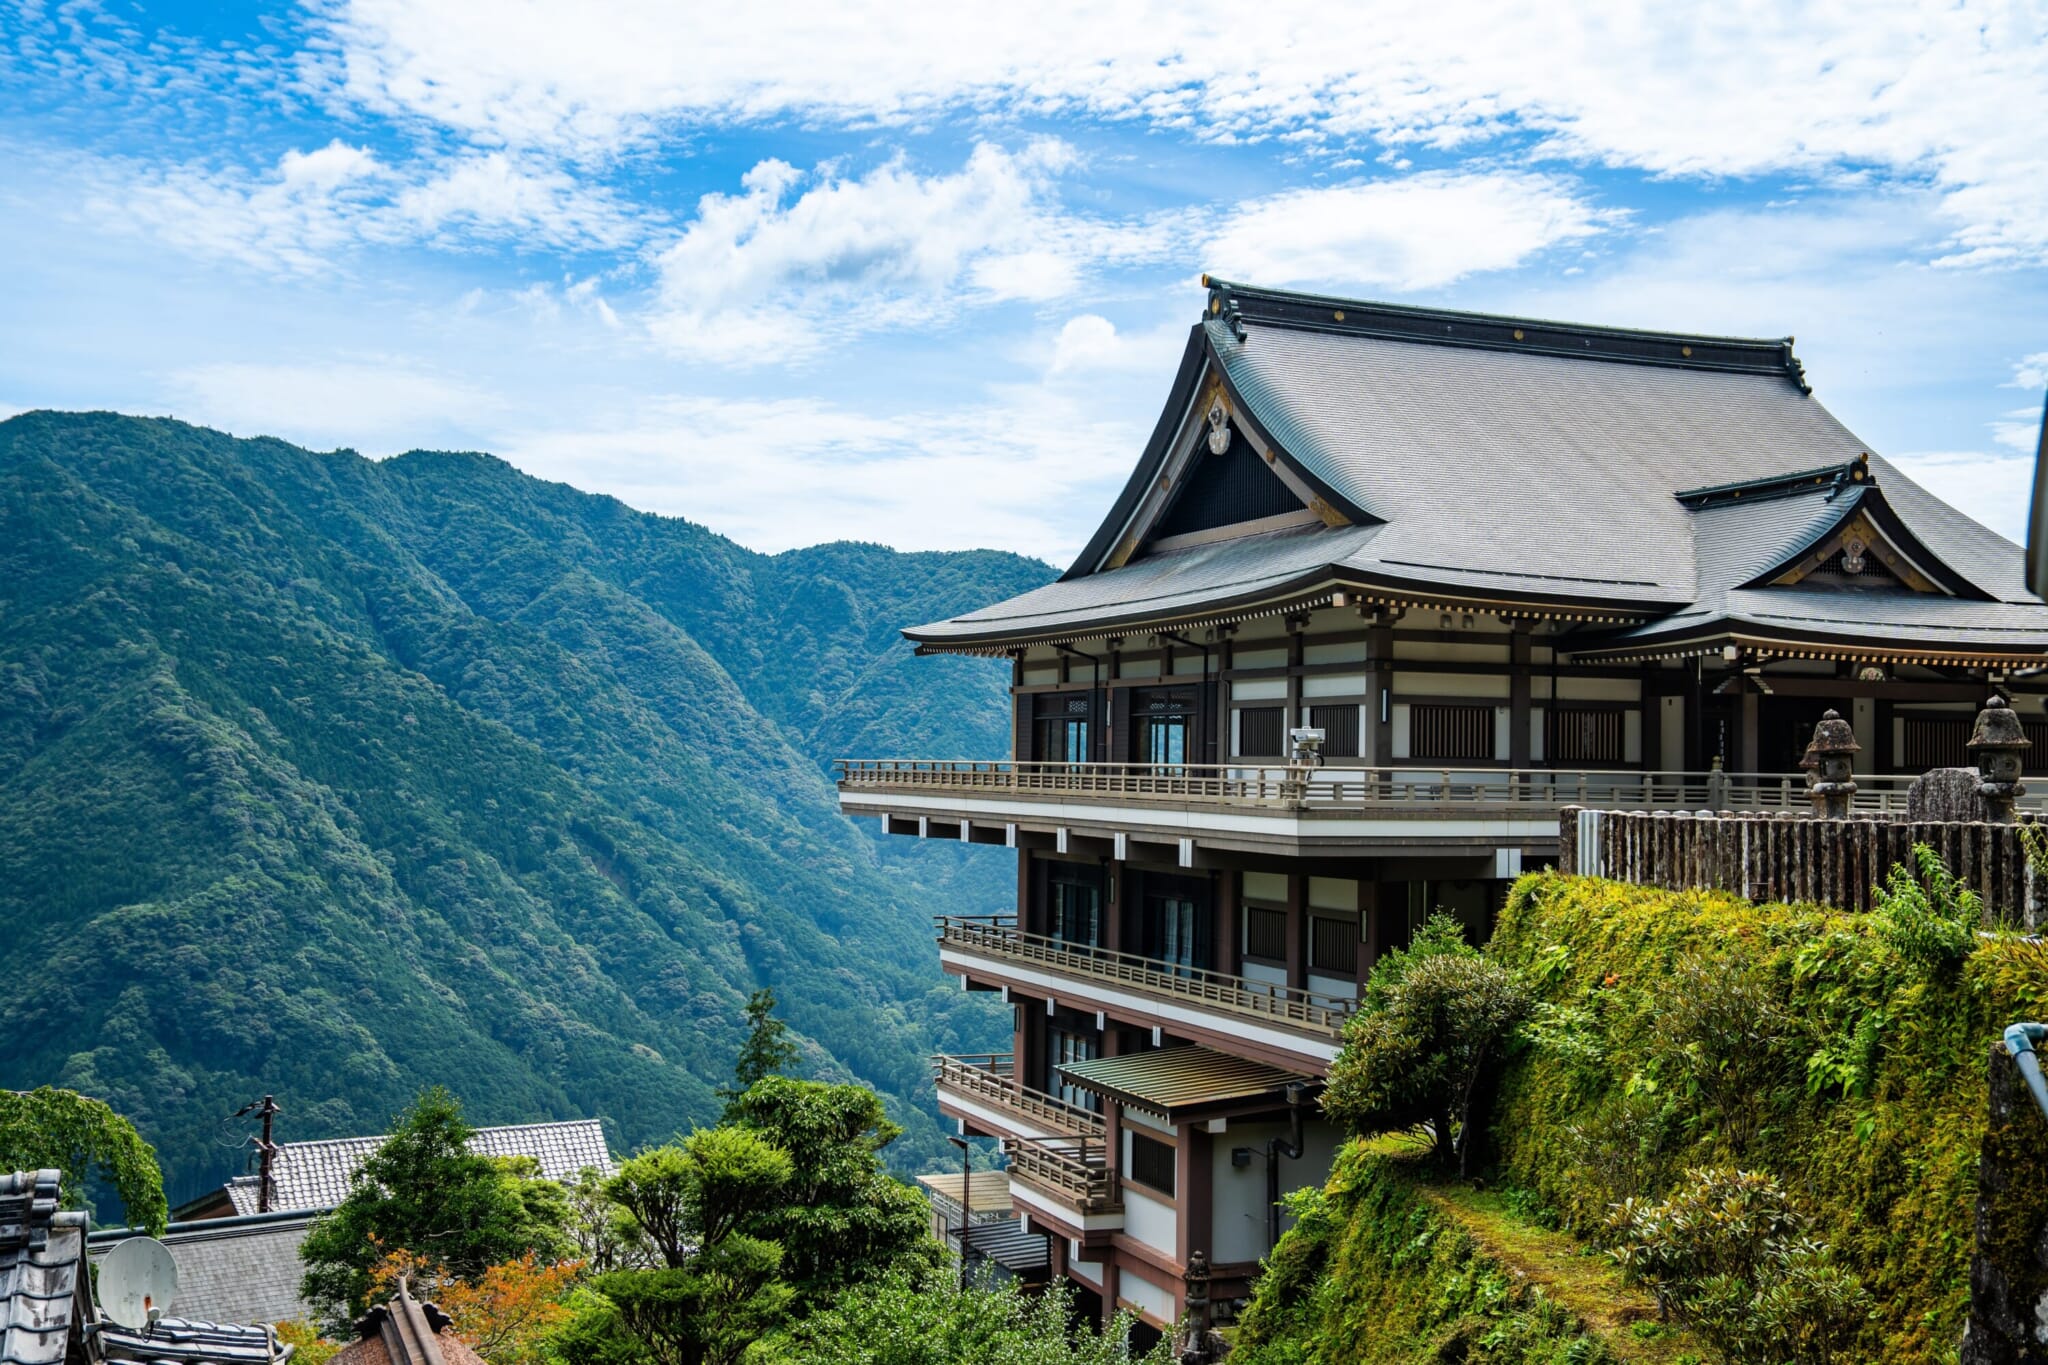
1289	1147
2020	1040
966	1200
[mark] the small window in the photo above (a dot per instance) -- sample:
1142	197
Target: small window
1265	933
1339	725
1333	945
1578	735
1261	731
1937	741
1439	732
1152	1163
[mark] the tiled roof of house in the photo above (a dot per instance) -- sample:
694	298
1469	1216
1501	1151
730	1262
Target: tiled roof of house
177	1341
315	1175
1506	460
405	1331
41	1251
234	1269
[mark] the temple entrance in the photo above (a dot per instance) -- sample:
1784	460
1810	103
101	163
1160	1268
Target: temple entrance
1784	726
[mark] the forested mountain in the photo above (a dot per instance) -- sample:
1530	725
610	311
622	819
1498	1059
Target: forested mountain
331	777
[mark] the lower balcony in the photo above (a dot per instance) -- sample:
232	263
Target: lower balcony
1073	1171
983	1090
1288	1025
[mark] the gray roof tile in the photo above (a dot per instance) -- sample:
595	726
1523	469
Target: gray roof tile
1544	475
315	1175
235	1270
40	1251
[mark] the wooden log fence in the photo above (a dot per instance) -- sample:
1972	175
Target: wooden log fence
1781	856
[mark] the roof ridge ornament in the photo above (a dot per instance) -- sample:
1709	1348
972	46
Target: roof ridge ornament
1836	479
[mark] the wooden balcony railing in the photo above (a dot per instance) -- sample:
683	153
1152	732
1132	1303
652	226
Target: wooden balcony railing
1071	1169
1309	1012
1333	788
990	1077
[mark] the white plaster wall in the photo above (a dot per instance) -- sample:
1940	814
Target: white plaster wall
1334	685
1151	1221
1035	674
1599	689
1333	654
1671	733
1258	658
1632	736
1266	886
1259	689
1344	988
1083	1270
1503	731
1146	1295
1400	740
1260	973
1333	893
1238	1232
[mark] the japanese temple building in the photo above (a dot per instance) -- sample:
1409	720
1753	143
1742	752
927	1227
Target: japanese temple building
1501	565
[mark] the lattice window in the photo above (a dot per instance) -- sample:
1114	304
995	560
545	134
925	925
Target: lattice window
1265	933
1261	731
1578	735
1339	725
1152	1163
1437	731
1333	945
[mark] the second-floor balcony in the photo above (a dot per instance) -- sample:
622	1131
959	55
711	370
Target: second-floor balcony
984	1089
1293	809
1299	1025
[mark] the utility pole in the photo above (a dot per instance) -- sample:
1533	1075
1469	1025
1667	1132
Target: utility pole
966	1199
266	1150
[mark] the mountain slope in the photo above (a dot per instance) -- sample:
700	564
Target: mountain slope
330	778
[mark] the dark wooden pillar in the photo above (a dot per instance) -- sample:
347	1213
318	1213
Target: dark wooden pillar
1194	1178
1379	711
1295	627
1117	889
1229	938
1029	917
1027	1060
1297	930
1369	930
1519	655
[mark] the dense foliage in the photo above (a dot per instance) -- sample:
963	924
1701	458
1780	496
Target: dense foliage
932	1319
84	1141
1729	1254
330	777
1372	1274
423	1192
1821	1049
1422	1051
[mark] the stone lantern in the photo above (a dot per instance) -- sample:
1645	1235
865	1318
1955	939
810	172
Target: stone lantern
1833	752
1999	746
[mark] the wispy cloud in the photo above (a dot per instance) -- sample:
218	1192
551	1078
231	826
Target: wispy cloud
1417	232
1947	95
798	259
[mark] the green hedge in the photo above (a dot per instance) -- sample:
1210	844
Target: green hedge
1860	1084
1373	1274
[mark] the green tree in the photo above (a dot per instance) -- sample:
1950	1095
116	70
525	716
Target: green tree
424	1191
931	1319
1926	913
841	1219
83	1139
768	1048
717	1289
1425	1044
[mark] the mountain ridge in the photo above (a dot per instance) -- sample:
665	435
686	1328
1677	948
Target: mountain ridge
332	777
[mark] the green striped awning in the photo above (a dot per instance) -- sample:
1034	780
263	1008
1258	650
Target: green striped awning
1173	1081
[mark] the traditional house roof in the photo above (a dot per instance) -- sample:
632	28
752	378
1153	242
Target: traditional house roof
405	1331
1638	483
47	1315
1178	1082
315	1175
43	1294
232	1269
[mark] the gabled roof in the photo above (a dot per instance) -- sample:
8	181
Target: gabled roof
232	1269
42	1255
1496	460
315	1175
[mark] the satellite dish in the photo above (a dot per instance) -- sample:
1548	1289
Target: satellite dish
138	1280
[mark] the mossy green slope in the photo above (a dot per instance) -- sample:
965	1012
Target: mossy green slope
333	778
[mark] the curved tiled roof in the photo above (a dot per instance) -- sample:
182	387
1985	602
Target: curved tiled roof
1507	459
315	1175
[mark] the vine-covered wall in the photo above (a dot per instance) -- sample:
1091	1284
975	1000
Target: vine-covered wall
1682	1030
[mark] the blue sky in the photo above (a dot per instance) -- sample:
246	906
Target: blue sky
916	273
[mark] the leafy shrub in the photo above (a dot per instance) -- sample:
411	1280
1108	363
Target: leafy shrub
1931	918
1434	1024
1730	1039
1728	1254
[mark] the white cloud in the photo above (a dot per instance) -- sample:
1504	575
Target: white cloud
796	259
2031	372
779	473
1947	94
1091	344
1420	232
2019	430
1992	489
380	404
492	196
